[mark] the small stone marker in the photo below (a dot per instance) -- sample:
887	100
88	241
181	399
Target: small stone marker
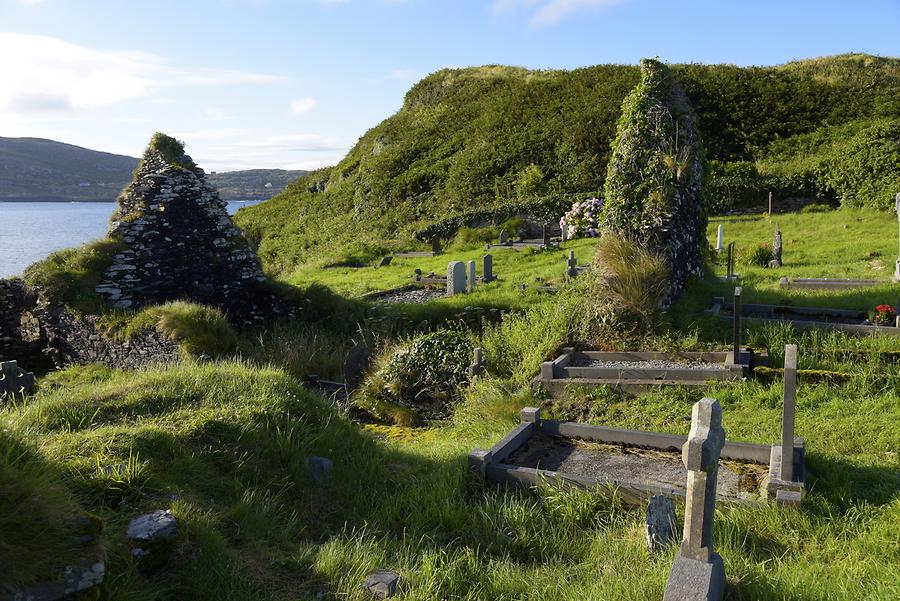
698	572
320	468
488	269
436	245
383	583
504	238
546	235
729	262
719	246
660	522
357	363
456	278
564	229
15	382
153	537
477	367
470	277
385	261
571	265
776	249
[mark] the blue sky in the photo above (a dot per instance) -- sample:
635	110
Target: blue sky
294	84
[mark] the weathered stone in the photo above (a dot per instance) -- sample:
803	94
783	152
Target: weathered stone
84	574
456	278
436	245
383	583
571	265
488	269
776	249
719	233
153	537
357	363
789	409
386	260
320	468
504	237
698	572
15	382
477	366
659	522
471	278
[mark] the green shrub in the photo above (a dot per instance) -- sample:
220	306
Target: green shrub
759	255
629	286
733	185
467	236
423	376
818	207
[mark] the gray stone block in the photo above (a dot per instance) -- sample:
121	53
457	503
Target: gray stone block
695	580
383	583
659	522
153	526
456	278
320	468
357	363
788	497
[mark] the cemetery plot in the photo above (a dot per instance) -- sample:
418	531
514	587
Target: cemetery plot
406	294
803	318
637	371
632	463
825	283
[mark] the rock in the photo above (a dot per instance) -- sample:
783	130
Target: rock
357	363
320	468
659	525
84	574
385	261
153	536
382	583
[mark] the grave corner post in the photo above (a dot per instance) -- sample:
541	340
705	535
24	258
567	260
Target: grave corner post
788	413
736	326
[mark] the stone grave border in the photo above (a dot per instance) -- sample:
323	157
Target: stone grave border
826	283
558	374
15	382
490	465
745	311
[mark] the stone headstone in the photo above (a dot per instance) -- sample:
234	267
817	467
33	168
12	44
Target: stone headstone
571	265
698	572
456	278
504	238
776	248
15	382
382	583
736	326
385	261
436	245
719	246
659	522
320	468
545	234
488	268
477	367
564	229
357	363
471	277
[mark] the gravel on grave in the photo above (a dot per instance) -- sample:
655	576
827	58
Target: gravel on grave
629	464
417	295
584	361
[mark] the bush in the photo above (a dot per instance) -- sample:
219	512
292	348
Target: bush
732	185
759	255
423	376
818	207
583	219
467	236
629	288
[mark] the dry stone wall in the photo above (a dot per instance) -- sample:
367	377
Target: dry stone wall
179	243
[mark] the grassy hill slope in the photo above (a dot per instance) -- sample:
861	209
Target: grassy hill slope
485	136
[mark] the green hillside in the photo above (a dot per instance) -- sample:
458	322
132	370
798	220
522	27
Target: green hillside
489	136
38	169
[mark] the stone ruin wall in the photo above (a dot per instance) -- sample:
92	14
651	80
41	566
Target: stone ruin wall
42	336
179	243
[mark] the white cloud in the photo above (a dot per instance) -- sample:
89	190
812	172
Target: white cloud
551	12
302	105
44	75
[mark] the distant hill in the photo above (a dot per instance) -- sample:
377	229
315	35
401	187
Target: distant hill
477	139
40	169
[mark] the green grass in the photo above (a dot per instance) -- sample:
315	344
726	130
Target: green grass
229	440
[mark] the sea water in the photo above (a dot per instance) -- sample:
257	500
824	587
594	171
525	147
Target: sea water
29	231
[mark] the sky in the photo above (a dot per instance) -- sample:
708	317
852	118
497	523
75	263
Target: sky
294	84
